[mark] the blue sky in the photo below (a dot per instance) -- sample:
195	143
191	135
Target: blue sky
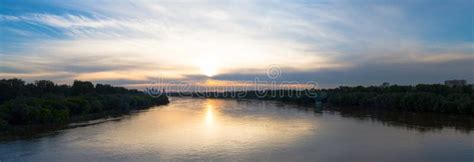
331	42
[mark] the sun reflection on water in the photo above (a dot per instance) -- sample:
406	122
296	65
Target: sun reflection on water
209	115
217	125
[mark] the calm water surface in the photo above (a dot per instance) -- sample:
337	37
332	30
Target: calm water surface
218	130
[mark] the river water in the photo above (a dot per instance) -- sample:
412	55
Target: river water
229	130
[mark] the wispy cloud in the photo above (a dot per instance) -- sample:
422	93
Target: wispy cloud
136	40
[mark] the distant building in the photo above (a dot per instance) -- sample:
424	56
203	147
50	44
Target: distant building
452	83
385	84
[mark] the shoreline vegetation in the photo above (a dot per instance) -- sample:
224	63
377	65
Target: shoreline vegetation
27	109
430	98
43	105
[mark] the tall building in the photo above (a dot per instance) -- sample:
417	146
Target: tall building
452	83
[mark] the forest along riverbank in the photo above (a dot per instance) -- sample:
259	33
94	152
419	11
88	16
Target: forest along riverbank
29	109
431	98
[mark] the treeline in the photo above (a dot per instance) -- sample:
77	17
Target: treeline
44	102
420	98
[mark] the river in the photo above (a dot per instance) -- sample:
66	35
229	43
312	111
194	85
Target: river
247	130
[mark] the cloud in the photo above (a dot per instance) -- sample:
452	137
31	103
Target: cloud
138	40
375	73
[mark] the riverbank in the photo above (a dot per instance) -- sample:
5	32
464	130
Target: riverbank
31	108
34	131
432	98
11	132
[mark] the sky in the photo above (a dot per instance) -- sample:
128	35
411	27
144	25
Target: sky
330	42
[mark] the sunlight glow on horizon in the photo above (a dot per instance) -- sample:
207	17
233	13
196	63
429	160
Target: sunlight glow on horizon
208	67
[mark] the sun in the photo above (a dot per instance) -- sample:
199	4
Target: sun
208	68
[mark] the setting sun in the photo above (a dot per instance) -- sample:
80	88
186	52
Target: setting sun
208	68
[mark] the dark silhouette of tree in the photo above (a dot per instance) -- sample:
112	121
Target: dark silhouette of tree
82	87
44	102
44	86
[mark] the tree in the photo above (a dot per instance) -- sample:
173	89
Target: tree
82	87
44	86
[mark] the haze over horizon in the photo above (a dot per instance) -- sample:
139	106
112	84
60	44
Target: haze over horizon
340	42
